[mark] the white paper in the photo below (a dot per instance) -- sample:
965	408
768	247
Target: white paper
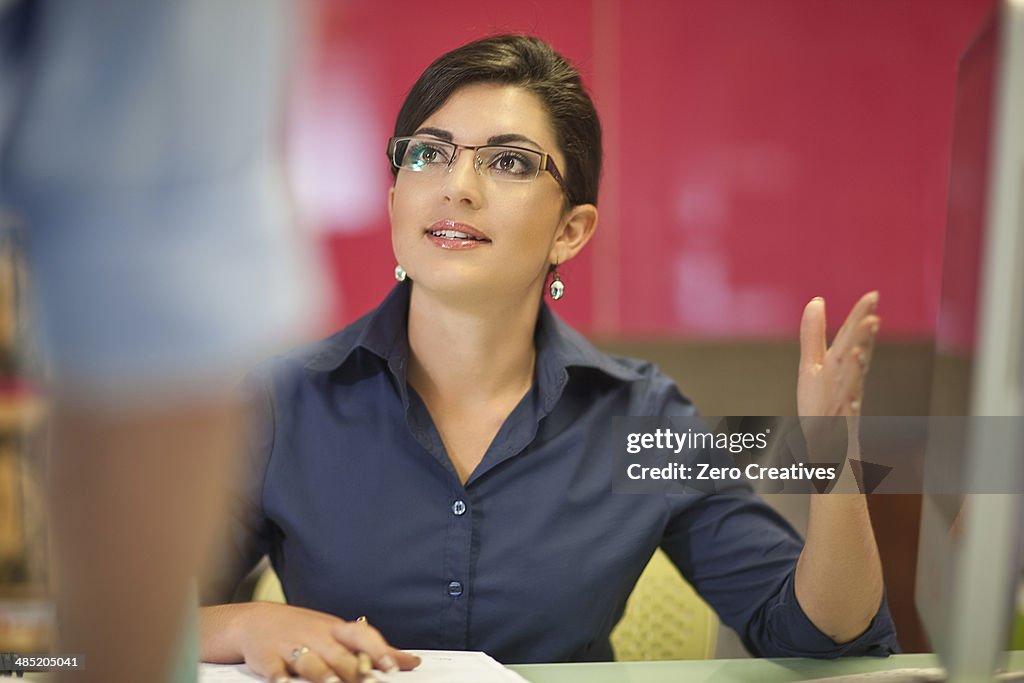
438	666
227	673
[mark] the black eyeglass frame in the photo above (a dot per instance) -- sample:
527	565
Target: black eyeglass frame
547	162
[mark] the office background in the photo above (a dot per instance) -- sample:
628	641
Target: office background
757	153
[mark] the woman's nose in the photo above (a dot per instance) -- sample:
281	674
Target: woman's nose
462	181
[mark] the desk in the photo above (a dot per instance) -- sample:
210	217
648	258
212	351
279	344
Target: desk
745	670
696	671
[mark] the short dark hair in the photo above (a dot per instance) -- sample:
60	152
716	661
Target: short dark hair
529	63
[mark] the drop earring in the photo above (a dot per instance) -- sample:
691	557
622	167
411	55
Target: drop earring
557	288
400	273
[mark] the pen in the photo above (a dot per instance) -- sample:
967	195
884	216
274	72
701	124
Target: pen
364	667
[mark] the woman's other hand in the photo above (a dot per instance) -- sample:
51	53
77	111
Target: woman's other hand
831	378
838	580
276	640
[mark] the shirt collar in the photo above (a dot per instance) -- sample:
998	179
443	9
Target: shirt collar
383	333
564	347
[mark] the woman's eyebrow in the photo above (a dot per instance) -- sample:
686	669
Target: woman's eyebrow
502	139
436	132
511	137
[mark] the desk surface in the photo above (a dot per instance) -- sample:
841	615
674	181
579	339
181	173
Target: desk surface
745	670
737	670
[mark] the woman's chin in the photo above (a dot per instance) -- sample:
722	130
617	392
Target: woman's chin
466	288
454	285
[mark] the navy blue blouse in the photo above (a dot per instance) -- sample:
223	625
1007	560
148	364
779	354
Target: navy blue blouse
352	495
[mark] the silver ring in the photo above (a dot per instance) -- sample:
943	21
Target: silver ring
298	652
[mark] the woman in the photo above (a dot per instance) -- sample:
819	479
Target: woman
442	466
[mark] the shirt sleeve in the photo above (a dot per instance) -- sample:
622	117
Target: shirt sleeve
248	533
740	555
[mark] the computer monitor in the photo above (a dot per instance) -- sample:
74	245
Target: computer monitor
968	555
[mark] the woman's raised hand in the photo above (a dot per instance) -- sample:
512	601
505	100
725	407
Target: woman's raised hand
276	640
831	378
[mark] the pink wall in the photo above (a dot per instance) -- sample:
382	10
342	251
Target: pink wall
758	153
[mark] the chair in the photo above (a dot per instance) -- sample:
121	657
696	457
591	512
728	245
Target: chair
268	587
664	617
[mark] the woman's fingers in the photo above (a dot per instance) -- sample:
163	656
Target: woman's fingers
318	647
341	660
362	637
852	386
850	355
854	369
328	663
312	667
831	379
864	339
271	667
855	356
812	333
405	660
845	338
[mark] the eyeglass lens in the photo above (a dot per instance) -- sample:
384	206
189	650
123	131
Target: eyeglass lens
498	162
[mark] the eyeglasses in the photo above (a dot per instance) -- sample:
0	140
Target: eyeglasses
504	163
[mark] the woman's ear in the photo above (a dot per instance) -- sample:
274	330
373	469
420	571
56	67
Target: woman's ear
576	230
391	202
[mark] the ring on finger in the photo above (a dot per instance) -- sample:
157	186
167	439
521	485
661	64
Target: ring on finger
298	652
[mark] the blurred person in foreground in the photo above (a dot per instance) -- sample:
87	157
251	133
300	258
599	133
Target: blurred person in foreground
139	144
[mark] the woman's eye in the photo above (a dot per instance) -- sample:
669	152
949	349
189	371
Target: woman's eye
513	164
421	154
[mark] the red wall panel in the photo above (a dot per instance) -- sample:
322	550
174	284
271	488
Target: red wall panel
758	153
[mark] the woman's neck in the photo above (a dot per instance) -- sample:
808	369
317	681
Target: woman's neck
470	354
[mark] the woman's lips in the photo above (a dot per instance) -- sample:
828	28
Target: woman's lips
451	235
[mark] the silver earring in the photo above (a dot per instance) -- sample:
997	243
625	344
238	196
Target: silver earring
400	273
557	288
